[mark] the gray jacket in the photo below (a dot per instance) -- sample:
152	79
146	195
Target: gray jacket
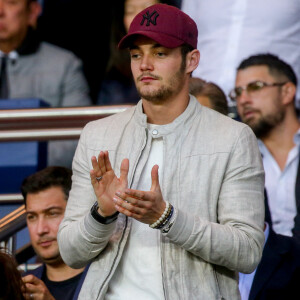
52	74
212	174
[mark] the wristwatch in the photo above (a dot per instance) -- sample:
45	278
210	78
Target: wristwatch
101	219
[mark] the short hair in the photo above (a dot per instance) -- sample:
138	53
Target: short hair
54	176
216	96
275	65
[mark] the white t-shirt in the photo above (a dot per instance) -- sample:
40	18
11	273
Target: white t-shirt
139	274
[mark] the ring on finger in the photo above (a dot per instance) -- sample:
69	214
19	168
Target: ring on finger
99	178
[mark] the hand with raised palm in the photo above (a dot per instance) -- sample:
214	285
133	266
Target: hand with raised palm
106	183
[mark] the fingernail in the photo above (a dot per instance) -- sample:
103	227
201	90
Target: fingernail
115	199
118	193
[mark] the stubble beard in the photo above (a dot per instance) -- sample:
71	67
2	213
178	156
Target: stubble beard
265	124
54	259
172	87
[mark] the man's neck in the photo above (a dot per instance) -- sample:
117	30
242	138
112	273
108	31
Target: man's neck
61	272
280	140
165	112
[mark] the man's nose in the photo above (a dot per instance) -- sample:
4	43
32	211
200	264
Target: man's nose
42	226
146	63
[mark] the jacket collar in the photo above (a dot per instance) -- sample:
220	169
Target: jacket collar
185	118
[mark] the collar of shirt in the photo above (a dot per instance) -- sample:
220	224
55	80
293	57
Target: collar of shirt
13	55
294	152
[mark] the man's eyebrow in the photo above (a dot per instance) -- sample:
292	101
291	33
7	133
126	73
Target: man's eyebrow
45	210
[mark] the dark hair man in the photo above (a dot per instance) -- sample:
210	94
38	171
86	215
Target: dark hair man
209	94
265	91
45	195
184	212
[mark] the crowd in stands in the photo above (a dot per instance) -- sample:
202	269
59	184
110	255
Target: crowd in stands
249	70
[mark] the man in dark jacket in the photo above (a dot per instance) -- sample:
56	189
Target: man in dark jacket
45	194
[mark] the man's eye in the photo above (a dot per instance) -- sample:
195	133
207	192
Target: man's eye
135	55
30	217
53	213
161	54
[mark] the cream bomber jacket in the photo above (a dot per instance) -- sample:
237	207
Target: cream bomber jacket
212	174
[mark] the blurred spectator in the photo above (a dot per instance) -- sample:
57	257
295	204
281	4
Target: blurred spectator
45	195
118	86
278	273
265	91
209	94
35	69
230	31
10	278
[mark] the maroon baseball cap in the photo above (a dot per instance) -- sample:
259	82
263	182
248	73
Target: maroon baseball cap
165	24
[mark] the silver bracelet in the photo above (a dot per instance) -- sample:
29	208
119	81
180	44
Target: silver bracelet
168	226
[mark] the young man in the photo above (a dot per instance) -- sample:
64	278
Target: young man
45	194
265	94
193	175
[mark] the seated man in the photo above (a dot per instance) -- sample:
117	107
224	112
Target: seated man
34	69
265	92
45	195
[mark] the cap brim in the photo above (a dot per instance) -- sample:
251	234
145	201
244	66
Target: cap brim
161	38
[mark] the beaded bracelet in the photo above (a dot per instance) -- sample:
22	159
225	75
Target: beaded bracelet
162	217
167	219
166	228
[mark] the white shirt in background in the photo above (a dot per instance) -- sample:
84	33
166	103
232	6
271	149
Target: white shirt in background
230	31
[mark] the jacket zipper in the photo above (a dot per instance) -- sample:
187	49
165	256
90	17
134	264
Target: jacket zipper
126	220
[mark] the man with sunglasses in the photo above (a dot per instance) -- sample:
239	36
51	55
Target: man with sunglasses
265	96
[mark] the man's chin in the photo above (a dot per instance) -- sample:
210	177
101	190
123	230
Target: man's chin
54	259
250	121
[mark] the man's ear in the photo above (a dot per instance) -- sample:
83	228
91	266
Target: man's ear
288	93
193	59
35	10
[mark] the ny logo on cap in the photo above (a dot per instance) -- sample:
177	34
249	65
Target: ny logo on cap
150	18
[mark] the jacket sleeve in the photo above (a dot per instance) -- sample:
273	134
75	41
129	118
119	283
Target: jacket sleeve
80	236
236	239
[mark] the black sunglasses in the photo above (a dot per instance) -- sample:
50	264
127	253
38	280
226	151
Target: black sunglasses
251	87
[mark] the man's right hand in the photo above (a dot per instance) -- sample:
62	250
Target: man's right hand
109	184
35	289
